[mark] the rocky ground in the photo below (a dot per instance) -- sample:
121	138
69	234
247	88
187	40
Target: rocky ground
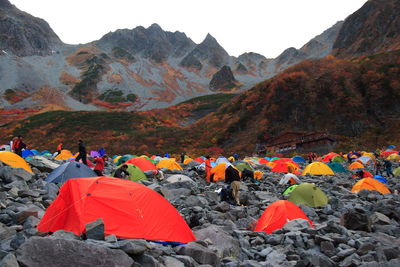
352	230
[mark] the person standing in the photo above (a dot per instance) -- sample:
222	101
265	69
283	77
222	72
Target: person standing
182	157
18	145
232	178
99	167
378	167
208	169
388	168
82	152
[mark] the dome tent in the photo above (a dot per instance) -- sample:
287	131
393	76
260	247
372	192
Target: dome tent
128	209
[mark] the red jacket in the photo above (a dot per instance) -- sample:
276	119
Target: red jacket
99	164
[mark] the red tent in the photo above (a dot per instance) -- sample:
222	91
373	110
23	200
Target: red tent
143	164
283	167
278	214
199	159
388	152
263	161
128	209
329	156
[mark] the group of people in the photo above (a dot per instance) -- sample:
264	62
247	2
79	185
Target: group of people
17	145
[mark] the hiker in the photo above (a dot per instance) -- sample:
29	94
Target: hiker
122	172
18	145
360	174
388	168
166	155
59	148
378	167
349	159
247	174
232	178
208	169
236	157
290	168
182	157
99	168
82	152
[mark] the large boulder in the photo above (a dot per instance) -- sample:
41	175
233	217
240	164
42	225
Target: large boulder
9	174
49	252
354	220
199	253
225	244
42	164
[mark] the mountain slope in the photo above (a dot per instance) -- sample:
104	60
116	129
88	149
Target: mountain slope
353	99
372	29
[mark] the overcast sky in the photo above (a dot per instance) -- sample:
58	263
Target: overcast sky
264	26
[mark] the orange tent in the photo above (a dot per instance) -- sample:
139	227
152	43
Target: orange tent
278	214
356	165
283	167
370	184
286	160
143	164
219	171
128	209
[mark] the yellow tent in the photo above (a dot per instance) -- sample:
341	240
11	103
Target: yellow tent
14	160
356	165
370	184
393	157
187	160
116	159
368	155
170	164
64	155
318	168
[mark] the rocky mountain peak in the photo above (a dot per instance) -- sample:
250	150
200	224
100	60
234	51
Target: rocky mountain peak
5	4
223	79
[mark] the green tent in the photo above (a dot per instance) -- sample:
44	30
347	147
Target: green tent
136	174
338	159
308	194
151	160
123	159
396	172
336	167
290	189
241	165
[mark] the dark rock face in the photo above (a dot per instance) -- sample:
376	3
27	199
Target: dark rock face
58	252
153	42
23	34
223	79
372	29
209	51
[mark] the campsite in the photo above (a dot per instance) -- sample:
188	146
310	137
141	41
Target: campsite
308	214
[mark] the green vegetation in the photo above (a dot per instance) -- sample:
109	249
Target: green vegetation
209	101
119	52
90	78
68	121
117	96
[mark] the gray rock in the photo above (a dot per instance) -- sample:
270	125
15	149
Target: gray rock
134	246
9	261
199	253
62	234
21	216
6	232
276	258
147	260
42	164
186	260
172	262
296	225
10	174
95	229
354	220
31	222
378	218
111	238
328	248
37	252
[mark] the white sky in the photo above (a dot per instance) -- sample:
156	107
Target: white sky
264	26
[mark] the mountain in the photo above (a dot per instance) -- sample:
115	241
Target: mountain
372	29
128	69
23	34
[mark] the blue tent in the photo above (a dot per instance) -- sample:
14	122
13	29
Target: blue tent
380	179
35	152
70	170
27	153
299	159
102	152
